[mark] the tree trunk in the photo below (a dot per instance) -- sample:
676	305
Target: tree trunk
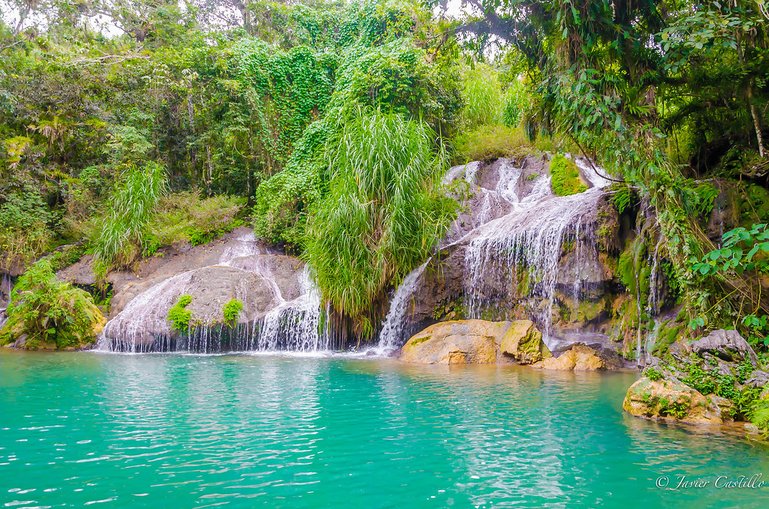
756	121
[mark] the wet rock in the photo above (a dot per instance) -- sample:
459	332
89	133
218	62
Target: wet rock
476	342
456	342
671	400
144	320
523	342
579	357
727	345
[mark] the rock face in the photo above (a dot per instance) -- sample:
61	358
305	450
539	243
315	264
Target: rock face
577	358
671	400
475	342
517	252
727	345
272	288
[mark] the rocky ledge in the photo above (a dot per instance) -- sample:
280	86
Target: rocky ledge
485	342
716	379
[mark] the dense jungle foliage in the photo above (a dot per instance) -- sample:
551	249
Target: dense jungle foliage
126	126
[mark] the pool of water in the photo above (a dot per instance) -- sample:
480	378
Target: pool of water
268	431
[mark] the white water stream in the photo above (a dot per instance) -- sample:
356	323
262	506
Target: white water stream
290	325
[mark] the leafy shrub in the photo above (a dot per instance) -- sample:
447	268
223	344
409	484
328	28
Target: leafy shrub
50	312
623	197
759	415
124	232
653	374
565	176
491	142
282	203
383	213
24	233
231	311
698	198
186	217
179	316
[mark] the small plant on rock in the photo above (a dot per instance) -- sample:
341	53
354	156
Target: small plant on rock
179	316
653	374
231	312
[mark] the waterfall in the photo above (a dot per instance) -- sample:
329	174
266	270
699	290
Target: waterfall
6	285
526	245
394	330
292	323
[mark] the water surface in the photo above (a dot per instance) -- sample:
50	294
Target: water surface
267	431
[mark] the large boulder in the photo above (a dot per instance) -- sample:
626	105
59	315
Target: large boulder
505	195
671	400
727	345
143	321
237	266
579	357
455	342
476	342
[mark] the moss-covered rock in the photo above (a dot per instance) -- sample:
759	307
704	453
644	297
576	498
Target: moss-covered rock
523	342
671	400
565	177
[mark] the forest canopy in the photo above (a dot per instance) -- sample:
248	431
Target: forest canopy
115	115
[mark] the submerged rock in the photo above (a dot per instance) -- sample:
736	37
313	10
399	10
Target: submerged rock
476	342
579	357
673	401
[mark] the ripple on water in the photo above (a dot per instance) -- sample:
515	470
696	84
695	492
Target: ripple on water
252	431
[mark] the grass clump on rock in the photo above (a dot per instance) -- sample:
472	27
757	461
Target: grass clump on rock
383	213
123	236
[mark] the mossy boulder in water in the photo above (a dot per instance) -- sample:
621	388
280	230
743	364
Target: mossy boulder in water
671	400
523	342
476	342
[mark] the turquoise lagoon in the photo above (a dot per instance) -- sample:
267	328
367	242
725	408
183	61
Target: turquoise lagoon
228	431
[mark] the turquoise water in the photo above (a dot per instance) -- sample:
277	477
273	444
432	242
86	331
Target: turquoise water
258	431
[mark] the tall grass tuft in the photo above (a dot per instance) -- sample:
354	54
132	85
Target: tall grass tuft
123	236
484	99
383	214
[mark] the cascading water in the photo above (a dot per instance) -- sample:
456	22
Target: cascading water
394	330
517	227
5	294
526	245
295	325
290	323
